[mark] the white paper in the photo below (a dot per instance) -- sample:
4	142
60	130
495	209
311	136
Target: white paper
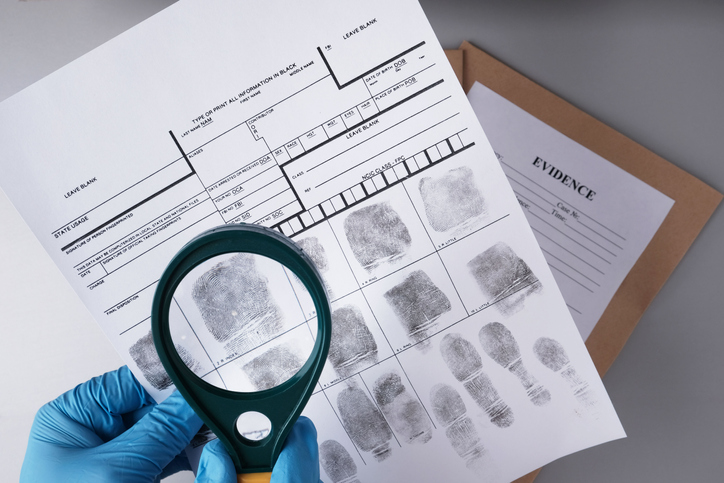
342	125
591	218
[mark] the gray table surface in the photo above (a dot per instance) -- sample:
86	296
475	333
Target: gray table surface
653	70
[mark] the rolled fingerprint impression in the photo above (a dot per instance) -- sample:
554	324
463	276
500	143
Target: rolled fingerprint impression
452	199
318	254
418	303
144	354
364	423
337	463
450	412
273	367
466	365
552	355
501	346
403	411
236	305
504	277
376	234
352	347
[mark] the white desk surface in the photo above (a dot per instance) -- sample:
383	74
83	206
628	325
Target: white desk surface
651	69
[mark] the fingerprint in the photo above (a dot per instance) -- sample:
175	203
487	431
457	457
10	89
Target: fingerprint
552	355
449	410
315	251
466	365
144	354
337	462
352	347
376	234
273	367
418	303
451	199
500	345
236	305
364	422
404	412
318	255
504	277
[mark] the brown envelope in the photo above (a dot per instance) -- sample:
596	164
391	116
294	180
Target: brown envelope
455	57
694	201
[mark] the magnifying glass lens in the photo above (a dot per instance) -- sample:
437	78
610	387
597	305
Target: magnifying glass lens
242	322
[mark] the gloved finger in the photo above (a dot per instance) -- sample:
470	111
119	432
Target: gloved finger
299	459
179	463
154	441
91	413
215	465
129	419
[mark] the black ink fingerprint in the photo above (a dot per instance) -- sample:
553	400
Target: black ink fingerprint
504	277
236	305
418	303
404	412
144	354
450	411
364	422
315	251
501	346
451	199
352	347
337	462
466	365
273	367
318	254
376	234
552	355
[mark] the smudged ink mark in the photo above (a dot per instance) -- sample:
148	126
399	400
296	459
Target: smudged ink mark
352	347
404	412
552	355
273	367
364	422
144	354
504	277
337	462
450	411
418	303
376	234
451	199
501	346
466	365
236	305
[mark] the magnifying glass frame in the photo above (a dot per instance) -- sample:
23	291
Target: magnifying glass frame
219	408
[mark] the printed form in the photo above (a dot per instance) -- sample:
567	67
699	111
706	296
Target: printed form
591	218
341	124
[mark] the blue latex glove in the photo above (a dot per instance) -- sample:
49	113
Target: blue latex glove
297	463
110	430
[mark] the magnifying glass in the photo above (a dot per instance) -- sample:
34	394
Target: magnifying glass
242	324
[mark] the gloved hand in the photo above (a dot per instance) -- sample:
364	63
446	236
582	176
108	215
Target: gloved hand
297	463
110	430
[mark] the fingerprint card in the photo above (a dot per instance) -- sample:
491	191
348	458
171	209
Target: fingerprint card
453	356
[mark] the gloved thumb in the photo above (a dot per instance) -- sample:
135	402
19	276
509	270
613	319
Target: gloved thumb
154	441
215	465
